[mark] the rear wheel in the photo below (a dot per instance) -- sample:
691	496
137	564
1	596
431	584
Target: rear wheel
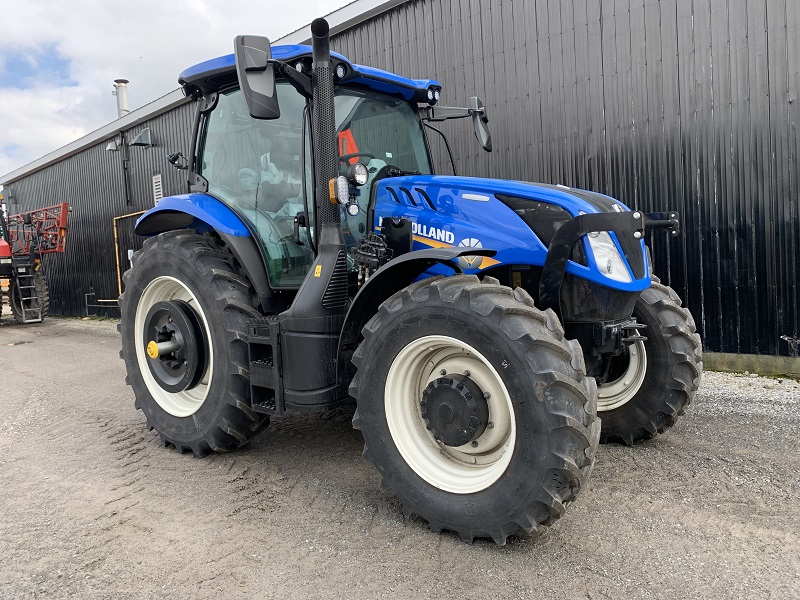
474	408
651	385
184	322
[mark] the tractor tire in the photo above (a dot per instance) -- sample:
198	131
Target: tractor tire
195	277
651	385
42	291
425	346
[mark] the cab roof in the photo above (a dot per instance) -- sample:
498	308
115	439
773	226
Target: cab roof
219	73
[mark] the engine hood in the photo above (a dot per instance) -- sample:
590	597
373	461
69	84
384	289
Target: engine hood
574	201
516	218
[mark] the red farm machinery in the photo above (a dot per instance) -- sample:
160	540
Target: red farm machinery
24	239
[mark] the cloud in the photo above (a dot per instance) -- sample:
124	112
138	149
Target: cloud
21	69
58	60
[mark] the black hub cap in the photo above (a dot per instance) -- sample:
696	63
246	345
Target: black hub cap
455	410
177	322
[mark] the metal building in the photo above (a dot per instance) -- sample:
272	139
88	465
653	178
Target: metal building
107	182
664	104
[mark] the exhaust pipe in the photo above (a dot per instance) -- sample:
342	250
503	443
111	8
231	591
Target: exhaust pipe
325	155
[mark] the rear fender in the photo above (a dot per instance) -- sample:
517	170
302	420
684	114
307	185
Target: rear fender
205	213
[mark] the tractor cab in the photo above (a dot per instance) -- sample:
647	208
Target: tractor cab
263	169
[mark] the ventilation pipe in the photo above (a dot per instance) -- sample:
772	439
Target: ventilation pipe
121	92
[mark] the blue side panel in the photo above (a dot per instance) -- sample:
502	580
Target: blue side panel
463	211
203	208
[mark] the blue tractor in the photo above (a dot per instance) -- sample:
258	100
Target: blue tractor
483	327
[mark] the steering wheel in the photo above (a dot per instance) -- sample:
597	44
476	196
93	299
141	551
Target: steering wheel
346	157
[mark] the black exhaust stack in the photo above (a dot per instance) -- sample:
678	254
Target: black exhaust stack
310	328
325	154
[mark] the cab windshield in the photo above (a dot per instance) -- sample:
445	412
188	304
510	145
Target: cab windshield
384	133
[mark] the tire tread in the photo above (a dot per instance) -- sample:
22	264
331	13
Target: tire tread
236	422
560	362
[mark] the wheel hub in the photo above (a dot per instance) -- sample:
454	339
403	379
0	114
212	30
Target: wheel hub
455	410
176	346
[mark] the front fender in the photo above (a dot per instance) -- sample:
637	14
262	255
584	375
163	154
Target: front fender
389	279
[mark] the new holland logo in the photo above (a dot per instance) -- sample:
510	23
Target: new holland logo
470	262
433	233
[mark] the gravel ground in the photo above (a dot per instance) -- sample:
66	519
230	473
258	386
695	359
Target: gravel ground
94	507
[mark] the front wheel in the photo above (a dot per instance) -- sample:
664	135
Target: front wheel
184	323
651	385
474	407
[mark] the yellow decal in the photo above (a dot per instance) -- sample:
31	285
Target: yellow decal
516	279
484	263
431	243
317	270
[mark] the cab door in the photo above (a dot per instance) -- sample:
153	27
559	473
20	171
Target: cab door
256	167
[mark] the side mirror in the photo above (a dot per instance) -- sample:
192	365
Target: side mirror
256	76
481	123
178	161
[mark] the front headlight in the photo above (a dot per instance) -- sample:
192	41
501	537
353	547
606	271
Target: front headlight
607	256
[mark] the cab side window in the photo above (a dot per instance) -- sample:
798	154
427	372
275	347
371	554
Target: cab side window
255	167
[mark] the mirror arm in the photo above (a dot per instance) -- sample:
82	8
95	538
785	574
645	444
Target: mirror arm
477	111
298	80
444	113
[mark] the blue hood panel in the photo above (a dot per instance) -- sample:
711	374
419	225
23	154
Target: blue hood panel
465	211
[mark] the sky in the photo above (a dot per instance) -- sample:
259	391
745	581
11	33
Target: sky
59	58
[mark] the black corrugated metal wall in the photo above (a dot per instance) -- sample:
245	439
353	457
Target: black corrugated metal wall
686	104
93	182
664	104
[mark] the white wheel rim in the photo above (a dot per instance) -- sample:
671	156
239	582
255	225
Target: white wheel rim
619	392
187	402
460	470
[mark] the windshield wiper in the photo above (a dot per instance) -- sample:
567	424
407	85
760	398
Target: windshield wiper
396	172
